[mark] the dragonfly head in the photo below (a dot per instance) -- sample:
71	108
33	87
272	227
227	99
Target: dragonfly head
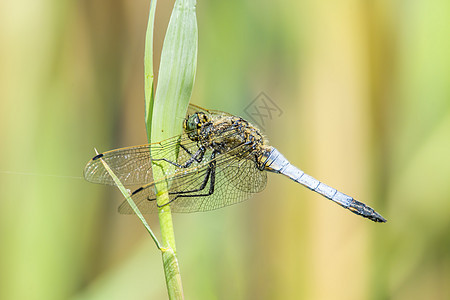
193	123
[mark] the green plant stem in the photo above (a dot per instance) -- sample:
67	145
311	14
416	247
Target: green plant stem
166	109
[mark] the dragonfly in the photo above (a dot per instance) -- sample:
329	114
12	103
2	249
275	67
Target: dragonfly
218	160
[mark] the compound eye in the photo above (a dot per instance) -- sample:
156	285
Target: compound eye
195	121
191	123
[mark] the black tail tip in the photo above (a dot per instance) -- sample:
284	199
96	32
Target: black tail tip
376	217
366	211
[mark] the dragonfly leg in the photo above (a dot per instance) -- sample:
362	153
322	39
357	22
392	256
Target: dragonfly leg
210	173
197	156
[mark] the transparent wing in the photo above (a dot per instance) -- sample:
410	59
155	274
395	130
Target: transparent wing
235	180
132	165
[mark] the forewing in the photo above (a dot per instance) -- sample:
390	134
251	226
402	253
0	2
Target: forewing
180	182
132	165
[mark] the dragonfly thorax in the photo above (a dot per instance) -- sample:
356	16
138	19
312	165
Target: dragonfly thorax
232	135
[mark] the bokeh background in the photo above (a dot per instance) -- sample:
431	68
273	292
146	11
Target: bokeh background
364	87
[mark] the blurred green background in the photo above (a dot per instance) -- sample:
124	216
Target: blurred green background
364	87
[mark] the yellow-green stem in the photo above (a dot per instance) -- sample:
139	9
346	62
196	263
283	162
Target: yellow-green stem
164	112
